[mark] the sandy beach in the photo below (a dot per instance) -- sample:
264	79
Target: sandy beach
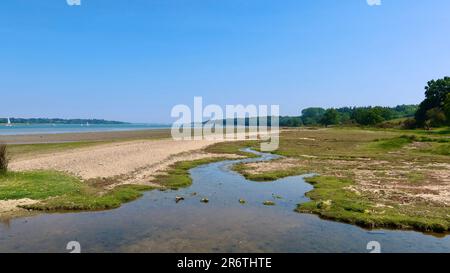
129	161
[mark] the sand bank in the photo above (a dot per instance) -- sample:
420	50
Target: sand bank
137	160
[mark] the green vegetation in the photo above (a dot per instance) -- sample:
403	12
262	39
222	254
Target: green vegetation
446	107
331	200
178	174
269	203
355	115
37	185
312	116
330	143
434	110
440	149
316	116
366	116
59	191
330	117
233	148
290	121
390	144
90	199
270	175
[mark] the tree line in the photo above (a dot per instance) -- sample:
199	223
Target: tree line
317	116
355	115
433	111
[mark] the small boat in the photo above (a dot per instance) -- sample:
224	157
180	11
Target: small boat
9	123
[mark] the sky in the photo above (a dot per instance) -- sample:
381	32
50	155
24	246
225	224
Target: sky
133	60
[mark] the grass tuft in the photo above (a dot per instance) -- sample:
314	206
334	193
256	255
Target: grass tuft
178	175
268	176
390	144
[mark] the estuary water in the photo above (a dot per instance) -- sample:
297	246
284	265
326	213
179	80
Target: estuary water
32	129
156	223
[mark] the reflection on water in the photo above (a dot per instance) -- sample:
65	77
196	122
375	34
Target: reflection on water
156	223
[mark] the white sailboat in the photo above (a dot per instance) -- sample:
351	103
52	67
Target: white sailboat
9	123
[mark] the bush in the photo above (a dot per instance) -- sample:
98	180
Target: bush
410	123
3	158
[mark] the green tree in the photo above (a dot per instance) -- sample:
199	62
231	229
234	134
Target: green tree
436	93
330	117
312	115
367	116
385	112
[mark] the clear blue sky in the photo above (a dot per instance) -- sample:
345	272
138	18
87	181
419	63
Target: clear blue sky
133	60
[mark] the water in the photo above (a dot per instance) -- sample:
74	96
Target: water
156	223
23	129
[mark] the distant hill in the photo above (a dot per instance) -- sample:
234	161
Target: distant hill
59	121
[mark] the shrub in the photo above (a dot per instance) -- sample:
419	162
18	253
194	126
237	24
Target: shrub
3	159
410	123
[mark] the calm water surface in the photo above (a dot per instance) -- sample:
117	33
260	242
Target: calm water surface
31	129
156	223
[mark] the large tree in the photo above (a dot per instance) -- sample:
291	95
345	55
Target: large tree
431	109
